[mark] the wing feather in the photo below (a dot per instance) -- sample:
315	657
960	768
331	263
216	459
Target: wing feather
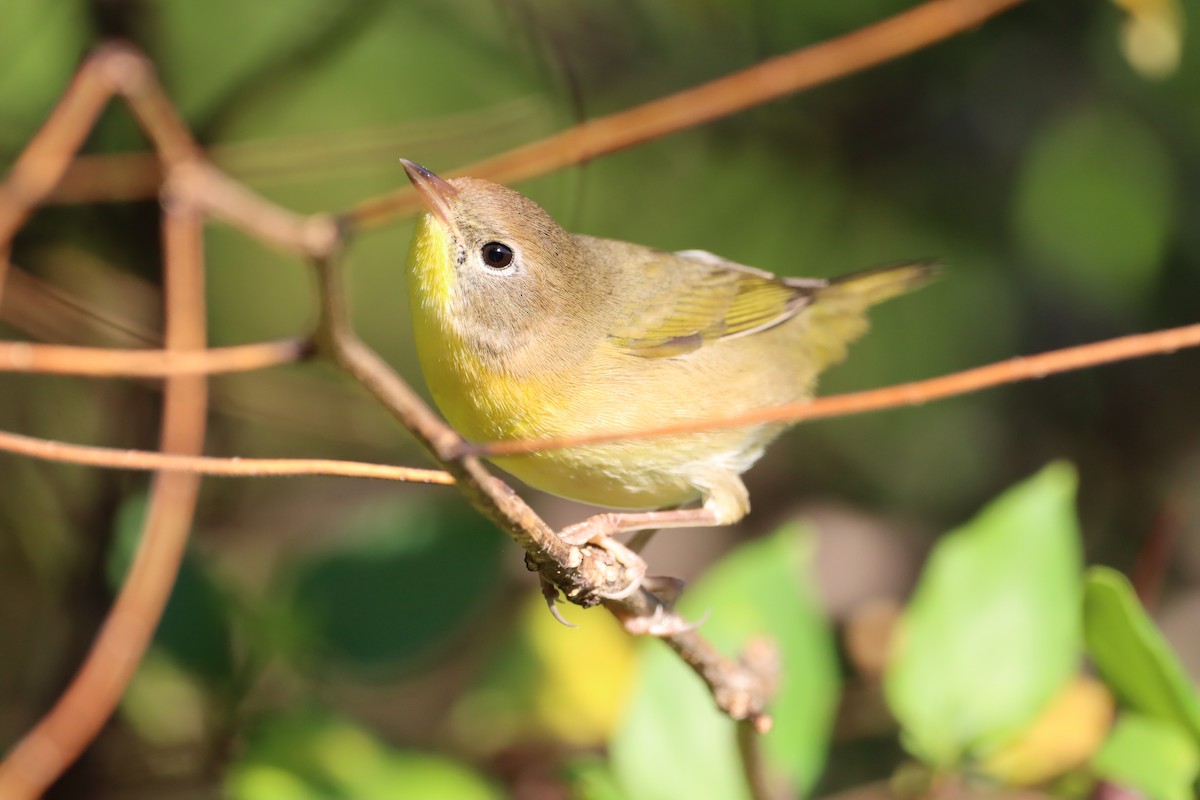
700	298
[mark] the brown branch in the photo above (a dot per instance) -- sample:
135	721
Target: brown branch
109	362
769	80
316	236
904	394
60	736
111	458
133	77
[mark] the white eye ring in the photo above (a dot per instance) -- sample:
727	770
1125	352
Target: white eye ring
497	256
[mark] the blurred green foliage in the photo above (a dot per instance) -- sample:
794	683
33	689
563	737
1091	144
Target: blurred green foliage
312	756
1150	756
393	564
1105	230
338	639
992	629
673	741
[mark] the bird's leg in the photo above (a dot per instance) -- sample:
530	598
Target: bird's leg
599	530
725	502
664	590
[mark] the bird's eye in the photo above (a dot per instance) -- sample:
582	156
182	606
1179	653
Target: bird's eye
497	255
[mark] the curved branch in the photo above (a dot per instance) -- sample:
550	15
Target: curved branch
46	752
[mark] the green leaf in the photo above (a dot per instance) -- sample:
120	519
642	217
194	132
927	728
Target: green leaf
1132	656
1155	758
404	578
992	631
311	755
196	626
1094	204
674	742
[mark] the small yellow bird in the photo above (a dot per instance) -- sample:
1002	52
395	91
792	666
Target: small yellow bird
524	330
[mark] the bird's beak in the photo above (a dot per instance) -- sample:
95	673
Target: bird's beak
436	193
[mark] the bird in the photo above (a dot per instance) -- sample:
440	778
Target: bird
524	331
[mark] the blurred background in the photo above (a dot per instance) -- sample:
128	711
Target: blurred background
325	629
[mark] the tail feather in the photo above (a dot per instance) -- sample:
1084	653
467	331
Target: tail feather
872	286
837	315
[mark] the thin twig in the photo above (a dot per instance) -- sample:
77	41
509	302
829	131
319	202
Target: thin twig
835	58
112	458
110	362
315	236
904	394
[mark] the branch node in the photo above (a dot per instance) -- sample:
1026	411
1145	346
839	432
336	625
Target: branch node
460	450
122	66
323	235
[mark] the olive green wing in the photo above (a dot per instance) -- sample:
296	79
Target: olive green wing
690	298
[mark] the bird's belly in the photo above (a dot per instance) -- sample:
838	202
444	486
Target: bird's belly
633	474
647	474
601	478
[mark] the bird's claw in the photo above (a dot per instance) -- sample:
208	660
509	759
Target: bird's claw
597	532
550	593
